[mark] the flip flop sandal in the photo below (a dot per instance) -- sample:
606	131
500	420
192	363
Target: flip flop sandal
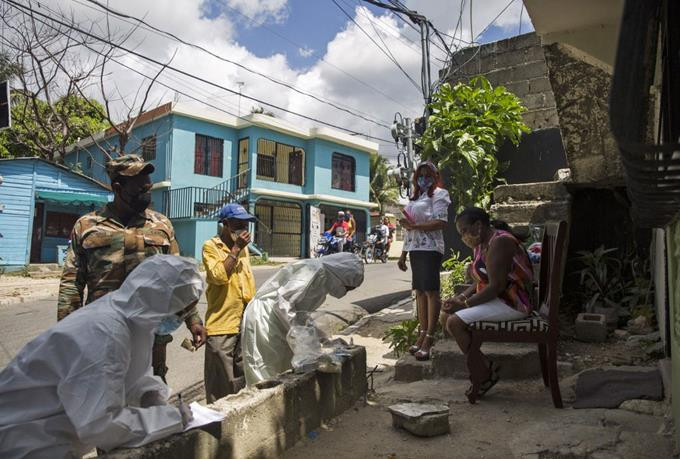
493	379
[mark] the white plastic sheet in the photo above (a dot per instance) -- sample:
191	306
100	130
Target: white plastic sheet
298	287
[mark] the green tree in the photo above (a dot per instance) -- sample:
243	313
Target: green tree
383	190
468	124
44	130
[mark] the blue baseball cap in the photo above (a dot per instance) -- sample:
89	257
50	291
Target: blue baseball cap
235	211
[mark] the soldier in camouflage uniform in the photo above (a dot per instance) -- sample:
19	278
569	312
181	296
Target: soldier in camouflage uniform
106	245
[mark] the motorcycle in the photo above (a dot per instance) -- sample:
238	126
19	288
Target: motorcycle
326	245
374	248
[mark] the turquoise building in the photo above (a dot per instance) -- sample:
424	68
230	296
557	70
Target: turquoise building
39	203
284	174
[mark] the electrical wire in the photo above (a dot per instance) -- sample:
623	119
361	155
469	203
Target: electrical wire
321	59
147	26
378	46
24	8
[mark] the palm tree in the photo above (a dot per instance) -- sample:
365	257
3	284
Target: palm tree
383	189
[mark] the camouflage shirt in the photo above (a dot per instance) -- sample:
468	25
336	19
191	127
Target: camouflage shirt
103	252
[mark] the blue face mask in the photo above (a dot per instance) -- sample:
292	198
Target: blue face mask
168	325
425	182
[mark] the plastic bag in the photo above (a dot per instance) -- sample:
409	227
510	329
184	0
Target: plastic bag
306	346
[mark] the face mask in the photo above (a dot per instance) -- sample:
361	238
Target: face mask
139	202
425	182
471	239
168	325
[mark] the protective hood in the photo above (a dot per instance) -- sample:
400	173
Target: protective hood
299	287
79	384
159	286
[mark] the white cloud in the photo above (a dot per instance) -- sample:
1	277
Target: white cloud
349	57
305	51
260	10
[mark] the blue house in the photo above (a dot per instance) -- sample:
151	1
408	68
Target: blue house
293	179
39	203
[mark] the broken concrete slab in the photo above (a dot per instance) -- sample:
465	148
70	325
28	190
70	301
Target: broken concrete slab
422	420
593	434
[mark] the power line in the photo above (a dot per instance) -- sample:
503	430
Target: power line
321	59
493	20
185	73
164	33
377	45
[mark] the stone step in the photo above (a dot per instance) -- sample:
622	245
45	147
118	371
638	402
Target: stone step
517	361
532	211
540	191
43	267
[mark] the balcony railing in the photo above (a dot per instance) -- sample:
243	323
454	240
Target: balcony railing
205	203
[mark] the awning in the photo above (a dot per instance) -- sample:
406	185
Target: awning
73	199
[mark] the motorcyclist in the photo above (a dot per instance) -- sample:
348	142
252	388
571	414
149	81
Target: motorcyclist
340	229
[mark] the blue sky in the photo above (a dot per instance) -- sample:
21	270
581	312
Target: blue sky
312	24
309	45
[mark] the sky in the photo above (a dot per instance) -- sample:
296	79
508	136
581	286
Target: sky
311	45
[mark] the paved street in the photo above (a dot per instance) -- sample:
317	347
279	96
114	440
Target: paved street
21	322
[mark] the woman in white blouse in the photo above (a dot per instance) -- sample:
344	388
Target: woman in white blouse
426	217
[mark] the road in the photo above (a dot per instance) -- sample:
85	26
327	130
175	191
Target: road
383	285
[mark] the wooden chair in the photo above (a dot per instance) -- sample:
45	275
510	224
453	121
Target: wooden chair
541	328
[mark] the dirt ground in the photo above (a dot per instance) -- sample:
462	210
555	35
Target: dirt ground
504	424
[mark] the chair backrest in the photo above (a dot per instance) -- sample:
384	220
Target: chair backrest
553	255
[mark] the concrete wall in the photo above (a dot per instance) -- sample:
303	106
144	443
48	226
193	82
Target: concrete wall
263	423
519	65
581	90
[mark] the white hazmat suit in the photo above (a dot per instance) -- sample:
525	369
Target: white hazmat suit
79	384
298	287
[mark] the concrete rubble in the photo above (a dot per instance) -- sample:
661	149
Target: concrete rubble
422	420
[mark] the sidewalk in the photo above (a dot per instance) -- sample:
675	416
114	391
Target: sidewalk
21	289
515	419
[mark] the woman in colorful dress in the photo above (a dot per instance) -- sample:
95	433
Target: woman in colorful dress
503	280
426	217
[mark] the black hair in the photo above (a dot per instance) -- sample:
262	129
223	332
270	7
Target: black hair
473	215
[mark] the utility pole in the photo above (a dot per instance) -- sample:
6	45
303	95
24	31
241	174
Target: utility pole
403	129
240	85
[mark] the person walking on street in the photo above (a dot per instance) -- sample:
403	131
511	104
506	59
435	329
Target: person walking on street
107	244
426	218
231	286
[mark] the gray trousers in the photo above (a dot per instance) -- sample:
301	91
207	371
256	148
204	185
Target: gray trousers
223	370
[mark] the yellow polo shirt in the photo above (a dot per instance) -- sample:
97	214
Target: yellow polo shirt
227	294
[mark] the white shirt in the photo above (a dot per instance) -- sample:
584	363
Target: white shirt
385	230
422	210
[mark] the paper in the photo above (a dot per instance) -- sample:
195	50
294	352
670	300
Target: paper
202	416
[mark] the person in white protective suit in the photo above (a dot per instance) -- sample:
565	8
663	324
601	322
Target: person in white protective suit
298	287
87	381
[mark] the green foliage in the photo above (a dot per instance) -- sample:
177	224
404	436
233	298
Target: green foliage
615	281
468	124
383	190
458	271
402	336
600	278
39	129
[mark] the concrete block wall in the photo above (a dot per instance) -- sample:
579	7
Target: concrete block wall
264	421
519	64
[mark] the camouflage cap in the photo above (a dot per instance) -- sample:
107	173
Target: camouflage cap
128	165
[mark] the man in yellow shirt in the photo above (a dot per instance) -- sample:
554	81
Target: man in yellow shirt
231	286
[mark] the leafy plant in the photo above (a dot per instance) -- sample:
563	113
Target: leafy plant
600	278
382	189
468	124
457	272
402	336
